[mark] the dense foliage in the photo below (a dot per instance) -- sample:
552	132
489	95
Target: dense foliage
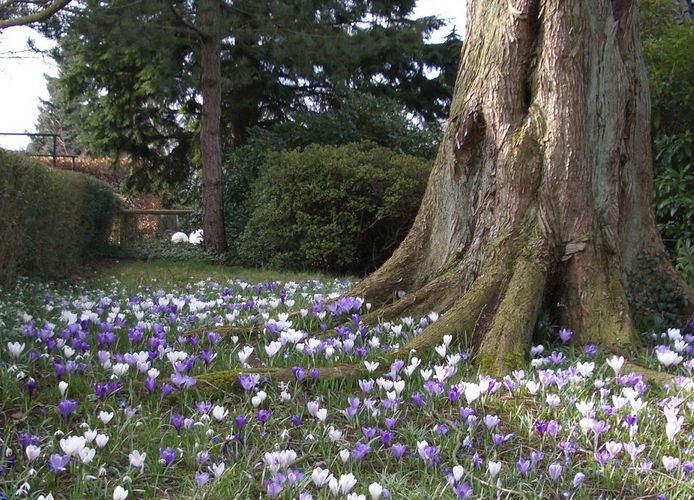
51	219
360	117
340	209
668	37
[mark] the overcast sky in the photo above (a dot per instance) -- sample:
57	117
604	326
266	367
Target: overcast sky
22	80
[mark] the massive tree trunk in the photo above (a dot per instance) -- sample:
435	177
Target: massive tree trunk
540	197
214	237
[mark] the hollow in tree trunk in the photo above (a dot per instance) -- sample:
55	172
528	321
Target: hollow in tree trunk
540	197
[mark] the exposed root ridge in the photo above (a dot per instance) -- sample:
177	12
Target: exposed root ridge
502	347
460	320
434	296
653	376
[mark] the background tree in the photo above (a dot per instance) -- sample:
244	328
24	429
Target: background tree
133	70
53	117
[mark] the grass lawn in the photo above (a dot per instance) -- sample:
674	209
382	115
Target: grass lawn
103	395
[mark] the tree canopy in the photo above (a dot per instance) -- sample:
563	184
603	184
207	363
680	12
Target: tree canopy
132	70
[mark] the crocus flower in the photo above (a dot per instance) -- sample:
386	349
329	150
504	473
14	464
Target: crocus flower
523	466
565	335
320	477
670	463
494	468
398	451
66	407
32	452
375	491
120	493
342	486
616	363
167	456
137	460
58	462
578	479
555	470
202	478
72	445
15	349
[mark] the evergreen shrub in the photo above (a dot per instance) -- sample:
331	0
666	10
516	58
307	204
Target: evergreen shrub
341	209
50	220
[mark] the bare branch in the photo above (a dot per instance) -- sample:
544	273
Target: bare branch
34	17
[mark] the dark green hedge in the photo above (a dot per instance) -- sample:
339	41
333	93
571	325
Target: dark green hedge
337	209
50	220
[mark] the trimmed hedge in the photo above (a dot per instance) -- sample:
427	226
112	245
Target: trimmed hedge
50	220
337	209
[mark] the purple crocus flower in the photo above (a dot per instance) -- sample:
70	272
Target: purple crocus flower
314	374
417	399
203	457
167	390
177	421
167	455
31	386
441	429
590	350
463	491
366	386
398	450
491	421
58	462
67	407
386	438
248	382
602	457
299	373
295	420
523	466
202	478
27	439
263	416
565	335
240	421
369	432
360	451
150	385
555	470
273	488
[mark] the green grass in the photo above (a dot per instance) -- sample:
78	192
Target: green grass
168	274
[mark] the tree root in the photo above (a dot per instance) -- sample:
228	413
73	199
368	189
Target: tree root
503	346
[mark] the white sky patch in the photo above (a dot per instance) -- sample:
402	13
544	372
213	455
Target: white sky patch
22	81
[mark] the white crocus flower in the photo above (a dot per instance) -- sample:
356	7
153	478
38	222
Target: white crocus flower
120	493
72	445
15	349
105	416
616	363
137	460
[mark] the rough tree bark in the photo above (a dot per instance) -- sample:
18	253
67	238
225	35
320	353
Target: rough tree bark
214	237
540	198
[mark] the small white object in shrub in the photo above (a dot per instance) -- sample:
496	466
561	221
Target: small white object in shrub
195	237
179	238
